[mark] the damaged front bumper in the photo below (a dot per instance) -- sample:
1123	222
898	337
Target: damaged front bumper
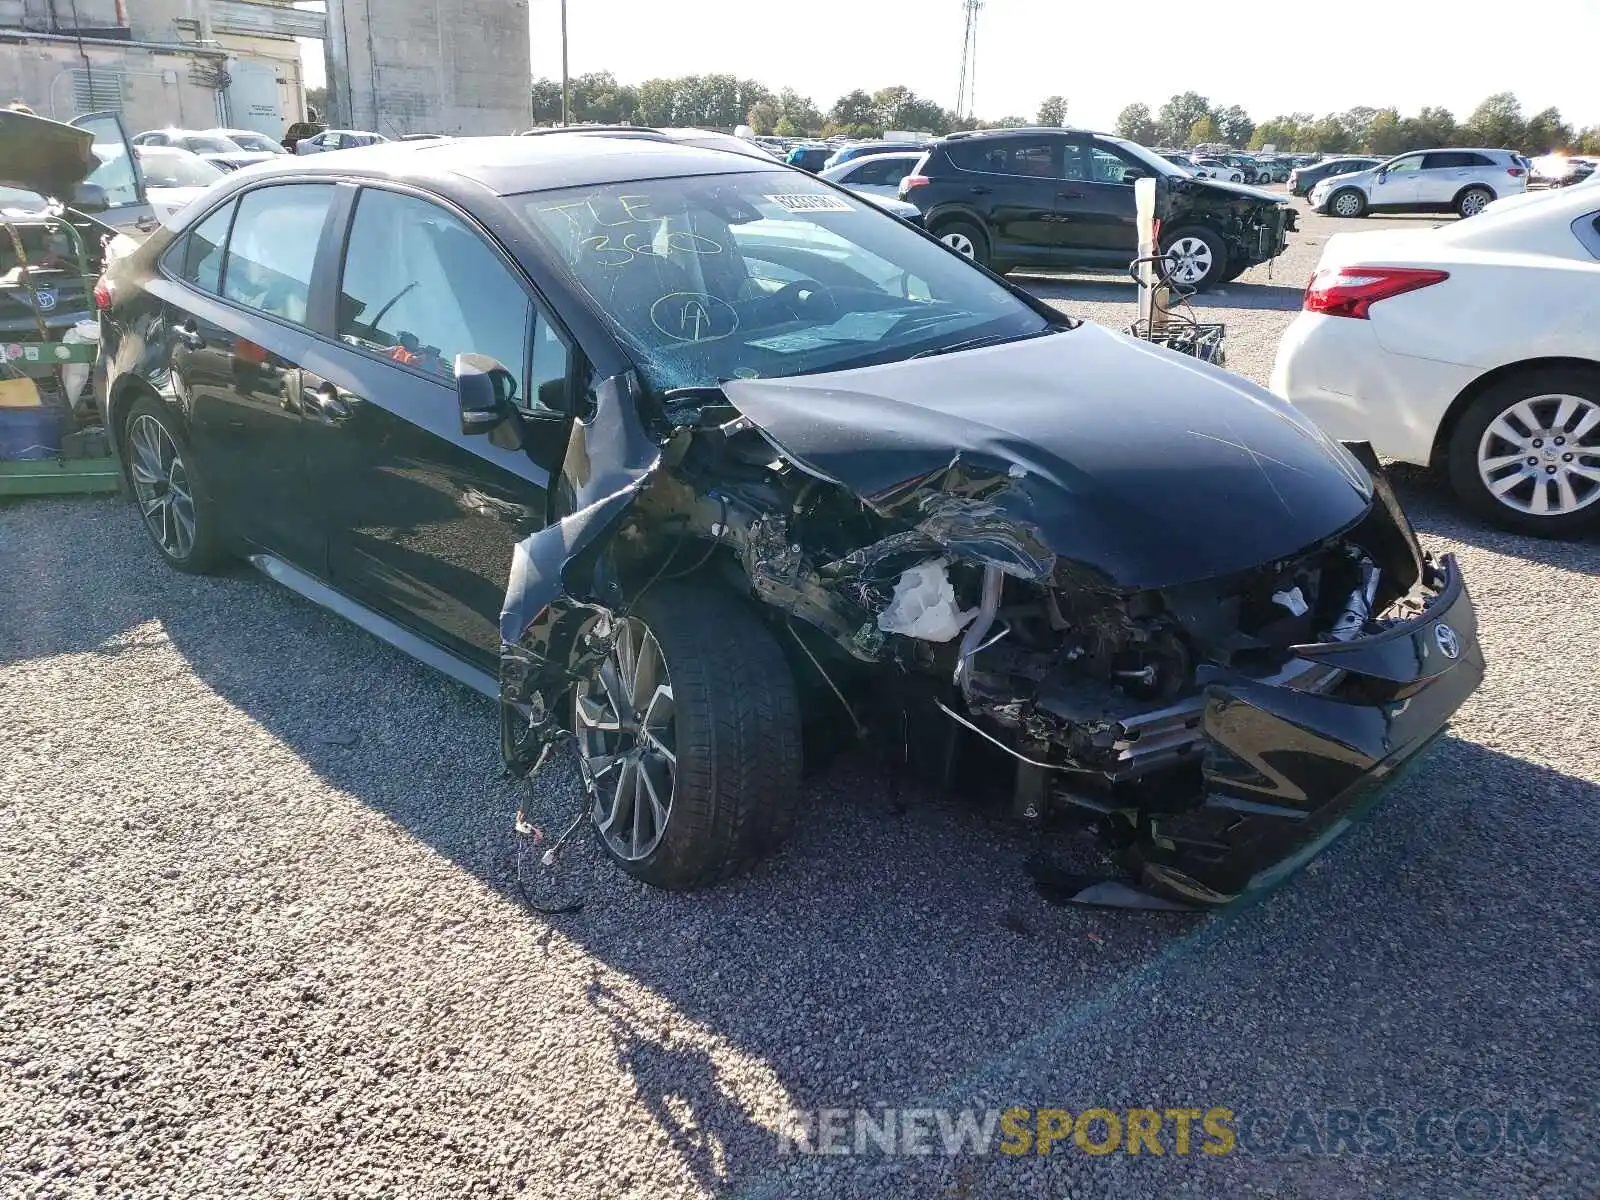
1288	765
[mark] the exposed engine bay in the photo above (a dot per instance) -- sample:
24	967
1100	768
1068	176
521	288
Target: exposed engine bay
1209	724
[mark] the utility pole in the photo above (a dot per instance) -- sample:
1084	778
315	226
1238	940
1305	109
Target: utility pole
566	90
967	91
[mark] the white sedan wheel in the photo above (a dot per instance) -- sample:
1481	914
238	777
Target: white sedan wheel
1541	456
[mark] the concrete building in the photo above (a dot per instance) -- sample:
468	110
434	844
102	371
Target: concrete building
191	63
429	66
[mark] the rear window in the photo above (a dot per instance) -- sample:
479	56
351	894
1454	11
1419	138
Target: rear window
1028	157
1441	160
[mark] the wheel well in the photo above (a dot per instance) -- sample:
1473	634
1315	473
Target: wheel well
1474	187
128	389
939	220
1489	379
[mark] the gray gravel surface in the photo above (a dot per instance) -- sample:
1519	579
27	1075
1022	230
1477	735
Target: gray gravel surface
260	933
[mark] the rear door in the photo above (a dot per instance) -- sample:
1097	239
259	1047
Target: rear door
1015	182
423	519
235	328
1444	173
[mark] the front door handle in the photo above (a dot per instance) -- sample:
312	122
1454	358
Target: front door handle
187	333
325	401
979	191
1069	195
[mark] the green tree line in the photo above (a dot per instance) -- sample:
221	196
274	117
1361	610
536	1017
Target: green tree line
1187	119
1190	119
724	101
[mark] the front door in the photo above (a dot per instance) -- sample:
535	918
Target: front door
1097	206
422	519
1399	183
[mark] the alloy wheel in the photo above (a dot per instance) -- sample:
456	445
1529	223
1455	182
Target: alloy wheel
1347	205
627	738
961	244
1541	456
1190	258
1473	203
161	486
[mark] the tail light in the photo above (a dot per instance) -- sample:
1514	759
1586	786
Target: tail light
1514	172
1352	291
913	181
102	295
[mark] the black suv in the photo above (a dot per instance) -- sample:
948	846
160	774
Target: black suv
1064	198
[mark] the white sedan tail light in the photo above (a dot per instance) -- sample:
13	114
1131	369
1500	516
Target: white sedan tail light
1352	291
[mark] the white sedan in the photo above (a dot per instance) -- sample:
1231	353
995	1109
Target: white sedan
1474	347
174	177
874	175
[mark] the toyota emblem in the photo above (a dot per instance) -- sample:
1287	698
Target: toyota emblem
1448	639
45	299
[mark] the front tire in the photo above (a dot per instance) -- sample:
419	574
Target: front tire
1347	203
172	498
1526	453
966	239
1200	260
1473	201
690	730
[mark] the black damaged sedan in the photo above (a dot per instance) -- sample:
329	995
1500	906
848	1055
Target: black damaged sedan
692	460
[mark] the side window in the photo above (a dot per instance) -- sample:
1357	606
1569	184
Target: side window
552	366
198	258
420	287
1106	166
274	246
1073	164
1410	163
1442	160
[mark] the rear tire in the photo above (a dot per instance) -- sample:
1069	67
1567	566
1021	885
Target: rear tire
1347	202
732	719
1498	472
966	239
172	498
1473	201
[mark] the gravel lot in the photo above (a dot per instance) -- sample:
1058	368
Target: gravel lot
260	933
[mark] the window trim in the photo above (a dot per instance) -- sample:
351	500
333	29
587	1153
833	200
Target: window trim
1053	142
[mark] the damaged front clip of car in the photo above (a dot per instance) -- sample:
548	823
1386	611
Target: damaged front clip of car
1177	608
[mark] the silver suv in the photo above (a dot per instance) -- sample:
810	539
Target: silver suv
1459	181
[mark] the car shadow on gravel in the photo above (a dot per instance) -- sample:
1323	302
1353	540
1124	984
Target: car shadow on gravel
1278	297
1433	509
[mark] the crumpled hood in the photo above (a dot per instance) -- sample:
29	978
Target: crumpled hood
1237	189
44	156
1144	466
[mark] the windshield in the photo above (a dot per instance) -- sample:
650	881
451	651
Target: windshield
1149	158
759	275
208	144
174	169
259	143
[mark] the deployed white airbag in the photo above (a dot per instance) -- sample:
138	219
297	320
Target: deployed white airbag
924	604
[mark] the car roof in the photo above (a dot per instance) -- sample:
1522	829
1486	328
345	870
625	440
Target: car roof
515	164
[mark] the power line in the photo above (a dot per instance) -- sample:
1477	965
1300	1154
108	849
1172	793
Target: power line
967	92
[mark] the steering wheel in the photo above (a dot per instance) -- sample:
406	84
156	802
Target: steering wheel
802	295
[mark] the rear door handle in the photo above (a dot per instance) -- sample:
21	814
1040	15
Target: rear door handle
1069	195
979	191
326	401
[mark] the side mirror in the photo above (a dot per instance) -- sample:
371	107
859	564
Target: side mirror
90	198
484	391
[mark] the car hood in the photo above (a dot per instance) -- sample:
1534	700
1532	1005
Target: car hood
44	156
1145	467
1235	189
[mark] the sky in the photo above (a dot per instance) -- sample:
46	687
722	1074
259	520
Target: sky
1269	56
